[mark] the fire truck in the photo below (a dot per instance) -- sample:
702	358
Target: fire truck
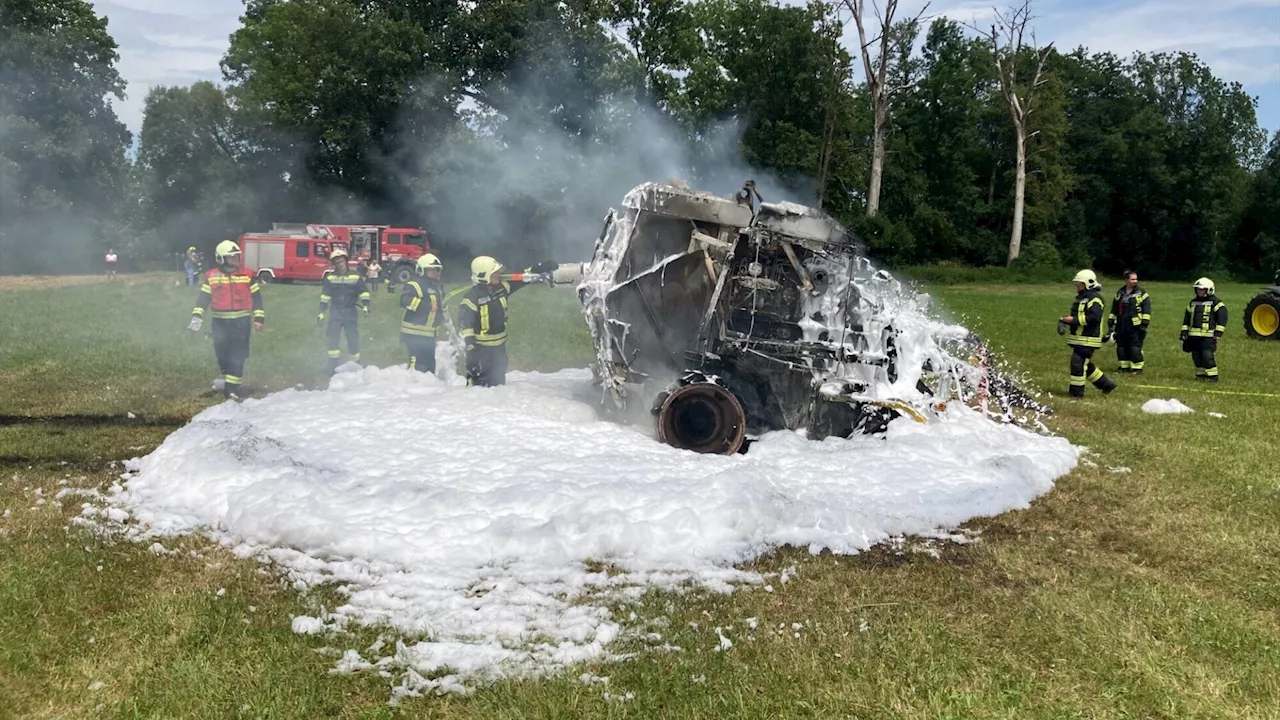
297	251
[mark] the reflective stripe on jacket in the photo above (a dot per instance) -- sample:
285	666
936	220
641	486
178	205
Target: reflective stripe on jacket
423	304
343	291
1133	311
229	295
1086	319
1205	317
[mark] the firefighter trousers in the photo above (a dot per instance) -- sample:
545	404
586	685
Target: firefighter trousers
1202	354
231	347
1083	369
343	322
422	352
487	365
1129	349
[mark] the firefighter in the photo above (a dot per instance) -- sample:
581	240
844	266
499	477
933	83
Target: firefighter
482	318
1128	321
234	299
344	288
1203	324
1083	328
424	314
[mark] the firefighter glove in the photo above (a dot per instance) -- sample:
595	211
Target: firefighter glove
320	319
1183	336
1062	328
365	309
196	323
1109	337
544	268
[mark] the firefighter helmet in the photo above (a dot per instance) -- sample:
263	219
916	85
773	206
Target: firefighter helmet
337	253
1205	284
225	249
428	262
191	249
483	268
1088	277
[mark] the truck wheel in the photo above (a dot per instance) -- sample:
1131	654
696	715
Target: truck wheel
1262	317
264	277
402	274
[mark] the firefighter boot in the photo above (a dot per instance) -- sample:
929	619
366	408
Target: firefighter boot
1105	384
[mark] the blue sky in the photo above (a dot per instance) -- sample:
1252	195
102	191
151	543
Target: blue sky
176	42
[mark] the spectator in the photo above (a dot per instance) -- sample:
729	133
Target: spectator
112	258
375	272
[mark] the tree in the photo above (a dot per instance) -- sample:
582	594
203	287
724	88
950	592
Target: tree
880	90
62	162
1009	49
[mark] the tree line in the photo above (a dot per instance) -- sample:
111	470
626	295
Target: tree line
513	125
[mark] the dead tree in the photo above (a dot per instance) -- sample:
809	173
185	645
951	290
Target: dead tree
1007	37
882	93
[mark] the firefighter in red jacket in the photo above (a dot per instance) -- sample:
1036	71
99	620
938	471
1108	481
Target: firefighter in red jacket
234	299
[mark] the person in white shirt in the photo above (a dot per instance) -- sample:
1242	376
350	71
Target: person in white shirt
111	263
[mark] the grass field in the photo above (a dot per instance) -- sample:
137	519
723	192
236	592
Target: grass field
1153	593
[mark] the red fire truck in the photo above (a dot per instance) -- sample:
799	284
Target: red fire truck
296	251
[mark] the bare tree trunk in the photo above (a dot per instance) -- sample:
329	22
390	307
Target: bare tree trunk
877	160
1006	38
1019	196
876	70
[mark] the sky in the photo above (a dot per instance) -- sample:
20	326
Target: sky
176	42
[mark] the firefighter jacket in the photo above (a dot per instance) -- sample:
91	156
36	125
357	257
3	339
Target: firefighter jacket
423	303
1130	312
230	295
1205	317
1086	319
482	314
344	291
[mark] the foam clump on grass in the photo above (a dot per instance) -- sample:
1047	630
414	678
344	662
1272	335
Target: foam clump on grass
477	519
1156	406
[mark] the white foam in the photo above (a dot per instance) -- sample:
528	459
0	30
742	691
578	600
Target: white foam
1156	406
466	516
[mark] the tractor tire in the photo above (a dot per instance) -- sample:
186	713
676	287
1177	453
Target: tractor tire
1262	317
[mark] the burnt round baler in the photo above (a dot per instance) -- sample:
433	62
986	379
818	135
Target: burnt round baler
725	321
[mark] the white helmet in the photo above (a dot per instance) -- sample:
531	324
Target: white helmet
337	253
482	268
1206	284
225	249
1088	277
428	262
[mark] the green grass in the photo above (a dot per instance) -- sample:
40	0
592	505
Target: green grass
1148	594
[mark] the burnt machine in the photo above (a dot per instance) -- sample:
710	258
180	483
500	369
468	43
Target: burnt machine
725	319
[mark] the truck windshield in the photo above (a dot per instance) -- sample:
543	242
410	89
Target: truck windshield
419	239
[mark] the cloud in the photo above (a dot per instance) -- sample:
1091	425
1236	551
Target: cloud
166	42
1238	39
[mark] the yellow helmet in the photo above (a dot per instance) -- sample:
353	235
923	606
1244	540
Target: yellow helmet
1088	277
482	268
225	249
428	262
1205	283
191	249
337	253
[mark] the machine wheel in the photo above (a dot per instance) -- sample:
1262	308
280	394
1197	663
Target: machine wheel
402	274
1262	317
702	417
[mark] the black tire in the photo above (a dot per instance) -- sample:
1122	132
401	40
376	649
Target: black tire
402	274
1262	317
264	277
